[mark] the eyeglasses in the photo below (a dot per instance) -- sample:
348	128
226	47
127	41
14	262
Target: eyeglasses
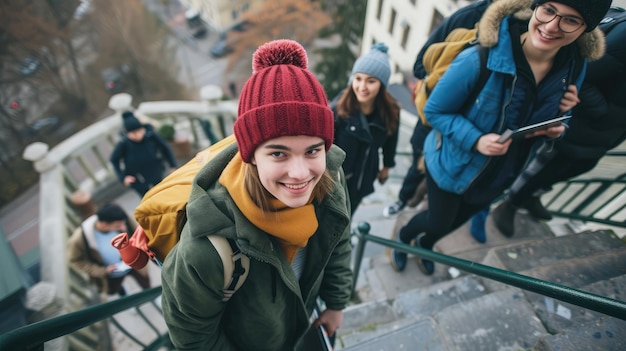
567	24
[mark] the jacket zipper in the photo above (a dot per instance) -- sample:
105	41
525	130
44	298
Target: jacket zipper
504	106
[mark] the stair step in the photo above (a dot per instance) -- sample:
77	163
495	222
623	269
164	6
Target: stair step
366	315
557	316
577	272
431	299
414	336
502	320
453	312
369	321
605	334
526	255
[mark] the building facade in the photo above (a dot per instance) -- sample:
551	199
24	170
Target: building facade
223	14
404	25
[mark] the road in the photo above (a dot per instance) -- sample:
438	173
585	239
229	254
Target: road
198	68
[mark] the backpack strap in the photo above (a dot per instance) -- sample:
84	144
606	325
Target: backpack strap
236	264
483	75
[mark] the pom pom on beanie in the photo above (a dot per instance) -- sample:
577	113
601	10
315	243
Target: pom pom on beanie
130	121
281	98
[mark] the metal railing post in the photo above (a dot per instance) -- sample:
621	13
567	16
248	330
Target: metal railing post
361	230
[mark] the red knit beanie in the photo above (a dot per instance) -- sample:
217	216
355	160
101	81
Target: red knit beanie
281	98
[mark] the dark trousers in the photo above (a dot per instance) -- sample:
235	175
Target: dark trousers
414	176
412	179
115	284
446	212
548	172
355	201
141	188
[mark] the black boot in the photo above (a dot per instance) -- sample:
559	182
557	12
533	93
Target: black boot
536	209
504	218
426	266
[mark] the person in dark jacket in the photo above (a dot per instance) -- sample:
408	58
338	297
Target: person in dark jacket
535	48
598	125
139	157
465	17
277	192
367	120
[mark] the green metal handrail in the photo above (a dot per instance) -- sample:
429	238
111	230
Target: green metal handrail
33	336
598	303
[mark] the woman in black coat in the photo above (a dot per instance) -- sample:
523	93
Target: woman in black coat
366	121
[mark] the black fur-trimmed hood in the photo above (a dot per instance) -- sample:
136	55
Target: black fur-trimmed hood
592	44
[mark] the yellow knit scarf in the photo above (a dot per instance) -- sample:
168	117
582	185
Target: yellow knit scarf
291	226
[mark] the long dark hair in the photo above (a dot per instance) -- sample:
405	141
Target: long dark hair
384	103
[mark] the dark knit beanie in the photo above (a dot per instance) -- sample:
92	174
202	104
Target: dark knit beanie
592	11
375	63
130	121
111	213
281	98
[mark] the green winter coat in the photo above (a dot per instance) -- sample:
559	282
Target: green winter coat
272	310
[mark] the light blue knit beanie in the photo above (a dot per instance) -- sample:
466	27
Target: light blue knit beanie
375	63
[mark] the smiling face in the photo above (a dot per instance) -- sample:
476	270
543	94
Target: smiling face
547	35
290	167
365	88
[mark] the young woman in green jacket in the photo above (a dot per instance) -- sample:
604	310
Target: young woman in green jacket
279	194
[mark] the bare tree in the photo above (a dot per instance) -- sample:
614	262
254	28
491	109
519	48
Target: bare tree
39	31
129	34
69	54
277	19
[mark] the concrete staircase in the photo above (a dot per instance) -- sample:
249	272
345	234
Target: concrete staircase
454	311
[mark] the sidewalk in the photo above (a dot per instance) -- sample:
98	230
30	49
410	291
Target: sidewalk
20	223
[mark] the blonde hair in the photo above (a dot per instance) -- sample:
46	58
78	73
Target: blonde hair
260	196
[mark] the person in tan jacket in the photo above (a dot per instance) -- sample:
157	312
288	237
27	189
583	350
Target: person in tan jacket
90	250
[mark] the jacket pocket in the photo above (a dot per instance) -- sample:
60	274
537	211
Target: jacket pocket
485	111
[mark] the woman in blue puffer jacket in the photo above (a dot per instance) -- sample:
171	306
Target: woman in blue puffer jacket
537	61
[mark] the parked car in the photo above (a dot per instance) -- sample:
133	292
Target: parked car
221	48
193	18
29	66
199	32
115	78
82	9
42	126
241	26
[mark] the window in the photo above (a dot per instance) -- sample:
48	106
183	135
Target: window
392	21
436	21
379	10
406	29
